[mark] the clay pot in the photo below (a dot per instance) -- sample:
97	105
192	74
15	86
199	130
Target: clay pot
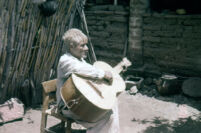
167	84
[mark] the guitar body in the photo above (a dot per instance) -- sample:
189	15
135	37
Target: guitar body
91	100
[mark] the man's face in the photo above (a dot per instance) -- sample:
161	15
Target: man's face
79	51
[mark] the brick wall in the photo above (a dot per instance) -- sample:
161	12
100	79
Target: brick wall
108	29
172	42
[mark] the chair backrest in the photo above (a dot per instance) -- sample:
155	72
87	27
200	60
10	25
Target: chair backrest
49	86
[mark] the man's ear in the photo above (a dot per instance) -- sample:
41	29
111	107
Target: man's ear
71	45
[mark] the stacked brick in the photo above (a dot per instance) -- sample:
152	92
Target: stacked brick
108	29
170	41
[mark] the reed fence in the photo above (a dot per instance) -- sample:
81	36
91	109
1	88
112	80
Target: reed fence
30	46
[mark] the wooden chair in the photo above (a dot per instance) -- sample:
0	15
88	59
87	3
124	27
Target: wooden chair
49	96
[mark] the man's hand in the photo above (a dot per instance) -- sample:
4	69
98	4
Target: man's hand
108	77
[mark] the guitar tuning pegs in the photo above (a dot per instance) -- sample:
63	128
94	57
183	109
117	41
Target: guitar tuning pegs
126	62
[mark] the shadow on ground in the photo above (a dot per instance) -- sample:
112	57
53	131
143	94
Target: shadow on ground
58	129
179	98
183	125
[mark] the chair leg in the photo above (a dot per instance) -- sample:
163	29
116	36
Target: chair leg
43	123
63	124
68	128
44	115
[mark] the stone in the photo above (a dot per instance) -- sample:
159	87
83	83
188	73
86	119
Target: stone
135	44
115	8
11	110
152	27
151	39
196	28
133	90
189	22
135	21
138	12
99	7
192	87
136	33
91	22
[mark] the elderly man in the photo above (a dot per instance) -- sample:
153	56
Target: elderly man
73	62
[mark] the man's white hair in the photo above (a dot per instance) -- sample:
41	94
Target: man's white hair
74	37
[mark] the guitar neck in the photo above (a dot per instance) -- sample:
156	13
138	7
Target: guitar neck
118	68
122	65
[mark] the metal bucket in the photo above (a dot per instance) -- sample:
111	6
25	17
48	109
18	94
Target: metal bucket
134	81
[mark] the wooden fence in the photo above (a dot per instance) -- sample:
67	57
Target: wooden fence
30	46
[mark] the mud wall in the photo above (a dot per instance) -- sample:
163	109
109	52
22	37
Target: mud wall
168	40
108	28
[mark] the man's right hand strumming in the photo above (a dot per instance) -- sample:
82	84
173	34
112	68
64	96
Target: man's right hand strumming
108	77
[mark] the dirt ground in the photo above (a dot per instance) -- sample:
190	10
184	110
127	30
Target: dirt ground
144	112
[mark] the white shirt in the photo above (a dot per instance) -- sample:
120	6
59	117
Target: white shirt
69	64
